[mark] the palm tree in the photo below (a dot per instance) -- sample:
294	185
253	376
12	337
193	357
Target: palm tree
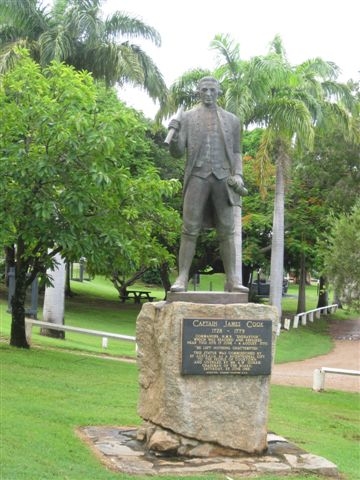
74	32
298	98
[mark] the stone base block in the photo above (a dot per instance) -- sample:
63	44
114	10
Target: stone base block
228	410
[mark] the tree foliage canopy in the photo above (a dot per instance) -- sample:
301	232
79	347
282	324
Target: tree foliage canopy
76	175
75	170
342	259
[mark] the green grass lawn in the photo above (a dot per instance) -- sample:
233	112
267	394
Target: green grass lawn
47	392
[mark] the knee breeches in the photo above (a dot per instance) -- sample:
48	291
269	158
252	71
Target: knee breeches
201	195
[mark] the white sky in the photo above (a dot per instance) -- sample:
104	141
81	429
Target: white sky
308	28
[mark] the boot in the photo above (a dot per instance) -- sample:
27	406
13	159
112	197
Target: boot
186	255
227	253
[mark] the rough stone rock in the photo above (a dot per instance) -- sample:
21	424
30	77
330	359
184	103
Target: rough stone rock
228	410
163	441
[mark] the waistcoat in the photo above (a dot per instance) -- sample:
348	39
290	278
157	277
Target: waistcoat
212	158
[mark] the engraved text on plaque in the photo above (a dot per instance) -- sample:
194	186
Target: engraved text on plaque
226	347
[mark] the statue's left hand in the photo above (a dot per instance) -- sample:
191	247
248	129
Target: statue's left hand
237	184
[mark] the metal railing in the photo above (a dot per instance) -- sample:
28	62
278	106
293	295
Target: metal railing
319	376
309	315
29	323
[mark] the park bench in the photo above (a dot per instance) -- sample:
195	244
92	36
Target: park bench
137	296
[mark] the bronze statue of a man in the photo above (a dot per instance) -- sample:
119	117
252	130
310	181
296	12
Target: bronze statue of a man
213	183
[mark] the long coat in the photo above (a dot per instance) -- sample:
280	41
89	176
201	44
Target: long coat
190	138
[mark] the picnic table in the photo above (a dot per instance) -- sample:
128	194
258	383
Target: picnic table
137	296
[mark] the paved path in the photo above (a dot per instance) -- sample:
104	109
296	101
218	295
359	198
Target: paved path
345	354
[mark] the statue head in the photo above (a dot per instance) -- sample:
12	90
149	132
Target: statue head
208	90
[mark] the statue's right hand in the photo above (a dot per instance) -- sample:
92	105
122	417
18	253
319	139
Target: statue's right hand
175	124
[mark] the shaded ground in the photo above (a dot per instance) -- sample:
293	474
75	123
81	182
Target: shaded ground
345	354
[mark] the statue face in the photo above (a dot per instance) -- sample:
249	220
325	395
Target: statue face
208	92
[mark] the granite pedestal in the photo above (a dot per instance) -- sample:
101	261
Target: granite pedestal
221	403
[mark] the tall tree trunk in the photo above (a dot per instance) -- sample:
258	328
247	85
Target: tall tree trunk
54	299
301	306
18	332
337	300
68	292
277	242
238	243
323	299
238	224
9	261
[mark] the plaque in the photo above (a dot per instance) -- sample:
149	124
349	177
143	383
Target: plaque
226	347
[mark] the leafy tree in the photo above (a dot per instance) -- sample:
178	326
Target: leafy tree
305	213
74	177
323	180
257	209
342	259
75	32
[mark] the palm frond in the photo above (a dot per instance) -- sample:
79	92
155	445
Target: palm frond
228	52
58	10
264	168
153	83
276	46
337	117
339	92
82	22
55	44
289	117
26	15
318	68
270	69
9	59
8	33
121	25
